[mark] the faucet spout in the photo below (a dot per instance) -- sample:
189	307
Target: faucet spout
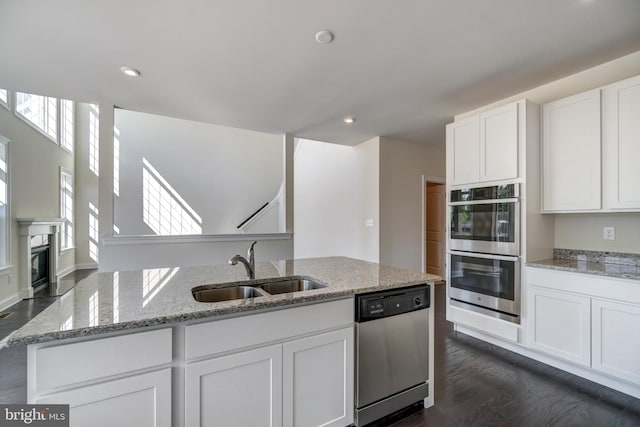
250	265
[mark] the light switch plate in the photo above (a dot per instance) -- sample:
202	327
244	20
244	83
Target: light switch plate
609	233
369	223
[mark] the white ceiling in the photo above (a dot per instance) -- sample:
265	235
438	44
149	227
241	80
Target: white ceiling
403	68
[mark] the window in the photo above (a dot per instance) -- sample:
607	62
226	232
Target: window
66	208
4	97
94	132
52	116
116	161
66	124
93	232
4	202
40	111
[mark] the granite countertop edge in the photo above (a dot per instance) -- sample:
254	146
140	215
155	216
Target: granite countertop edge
618	271
246	307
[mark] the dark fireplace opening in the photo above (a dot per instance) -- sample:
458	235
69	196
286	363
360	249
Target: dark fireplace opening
40	249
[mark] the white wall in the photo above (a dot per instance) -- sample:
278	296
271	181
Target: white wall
584	231
336	191
35	161
224	174
402	167
86	187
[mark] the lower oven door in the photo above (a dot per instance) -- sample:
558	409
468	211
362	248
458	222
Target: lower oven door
489	281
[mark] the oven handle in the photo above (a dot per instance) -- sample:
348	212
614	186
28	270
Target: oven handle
486	256
485	202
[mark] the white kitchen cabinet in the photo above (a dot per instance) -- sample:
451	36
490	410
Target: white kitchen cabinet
559	324
463	151
621	144
243	389
499	143
571	153
483	147
318	380
616	339
137	401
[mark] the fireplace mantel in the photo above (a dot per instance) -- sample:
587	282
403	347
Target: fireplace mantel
29	227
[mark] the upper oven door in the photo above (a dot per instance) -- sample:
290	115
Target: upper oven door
488	226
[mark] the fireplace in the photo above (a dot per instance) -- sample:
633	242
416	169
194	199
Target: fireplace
40	256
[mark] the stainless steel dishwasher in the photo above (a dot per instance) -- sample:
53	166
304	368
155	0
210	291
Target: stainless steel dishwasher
392	351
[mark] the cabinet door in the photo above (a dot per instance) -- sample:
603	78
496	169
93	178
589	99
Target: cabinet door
241	389
571	153
621	144
616	339
463	151
138	401
559	324
318	380
499	143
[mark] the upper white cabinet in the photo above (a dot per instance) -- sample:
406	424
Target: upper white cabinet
589	139
621	144
463	151
483	147
499	143
571	153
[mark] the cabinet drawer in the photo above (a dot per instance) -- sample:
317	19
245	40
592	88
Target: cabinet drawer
220	336
63	365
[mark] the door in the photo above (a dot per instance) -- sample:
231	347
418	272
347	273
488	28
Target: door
241	389
463	151
499	143
571	153
318	380
616	339
621	144
137	401
435	228
559	324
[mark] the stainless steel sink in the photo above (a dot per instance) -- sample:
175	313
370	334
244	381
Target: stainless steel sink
254	289
289	284
206	294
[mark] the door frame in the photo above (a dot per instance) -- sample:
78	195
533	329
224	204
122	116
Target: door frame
435	180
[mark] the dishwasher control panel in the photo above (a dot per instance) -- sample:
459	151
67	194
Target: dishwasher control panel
378	305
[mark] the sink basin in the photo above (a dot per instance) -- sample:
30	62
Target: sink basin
286	285
205	294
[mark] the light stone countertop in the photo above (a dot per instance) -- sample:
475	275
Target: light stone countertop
126	300
621	271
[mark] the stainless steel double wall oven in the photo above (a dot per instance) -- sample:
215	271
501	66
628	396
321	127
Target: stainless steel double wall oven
484	250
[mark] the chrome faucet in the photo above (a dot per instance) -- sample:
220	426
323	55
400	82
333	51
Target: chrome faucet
250	265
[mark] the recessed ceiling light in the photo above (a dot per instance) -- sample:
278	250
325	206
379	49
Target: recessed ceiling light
349	120
324	37
131	72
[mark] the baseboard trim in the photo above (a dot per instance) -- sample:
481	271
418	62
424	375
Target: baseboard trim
86	266
9	301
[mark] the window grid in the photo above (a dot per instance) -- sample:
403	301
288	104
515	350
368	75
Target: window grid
94	131
66	124
4	97
40	111
66	208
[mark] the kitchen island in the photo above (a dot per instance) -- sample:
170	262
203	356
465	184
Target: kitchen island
135	348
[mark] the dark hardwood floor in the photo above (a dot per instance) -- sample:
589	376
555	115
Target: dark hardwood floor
479	384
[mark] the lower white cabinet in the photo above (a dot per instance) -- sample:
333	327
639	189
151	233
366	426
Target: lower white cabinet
318	380
302	382
559	324
243	389
142	400
616	339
